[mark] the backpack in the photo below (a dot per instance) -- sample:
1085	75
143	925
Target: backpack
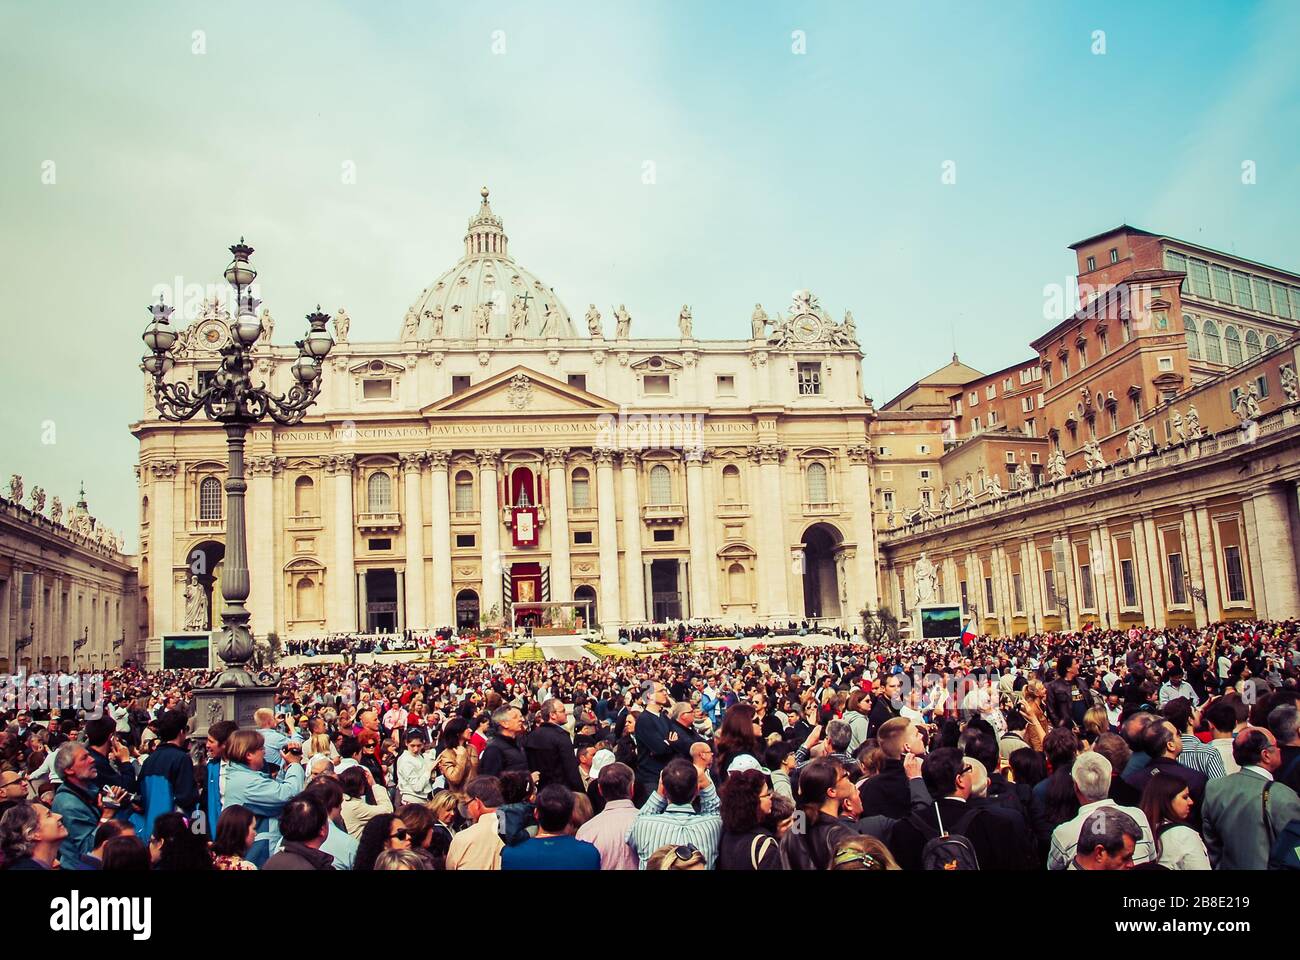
947	850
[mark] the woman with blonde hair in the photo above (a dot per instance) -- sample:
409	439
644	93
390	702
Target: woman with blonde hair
1096	721
681	857
1031	708
863	853
443	807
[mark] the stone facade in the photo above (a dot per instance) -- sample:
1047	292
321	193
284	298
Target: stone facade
494	454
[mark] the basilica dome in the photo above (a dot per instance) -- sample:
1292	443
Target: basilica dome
487	294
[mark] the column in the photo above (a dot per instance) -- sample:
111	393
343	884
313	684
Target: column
649	591
363	603
607	523
863	592
1277	579
684	588
1209	567
490	534
342	615
1110	579
1073	596
632	579
558	514
444	612
1031	575
402	581
698	513
1158	569
1097	565
162	538
772	549
261	540
412	597
1146	589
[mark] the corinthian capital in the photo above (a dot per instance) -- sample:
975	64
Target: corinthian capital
260	466
163	469
556	456
697	455
767	453
860	453
439	459
630	457
604	456
412	462
488	459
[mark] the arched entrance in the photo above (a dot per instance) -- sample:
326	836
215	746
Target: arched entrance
203	562
587	594
467	610
821	581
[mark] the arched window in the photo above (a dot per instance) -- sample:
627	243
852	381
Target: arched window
817	491
581	487
1233	341
1270	342
731	484
210	499
1253	348
464	492
737	587
661	485
1193	338
1213	345
304	497
308	601
144	511
379	493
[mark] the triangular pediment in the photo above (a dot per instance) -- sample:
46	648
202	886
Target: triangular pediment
520	391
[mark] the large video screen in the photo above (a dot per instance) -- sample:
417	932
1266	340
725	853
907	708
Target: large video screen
939	623
185	651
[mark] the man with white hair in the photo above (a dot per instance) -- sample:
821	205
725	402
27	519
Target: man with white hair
1091	774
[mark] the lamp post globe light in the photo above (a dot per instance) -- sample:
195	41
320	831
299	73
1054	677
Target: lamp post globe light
232	399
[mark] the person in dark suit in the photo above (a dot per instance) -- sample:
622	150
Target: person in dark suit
1161	742
681	719
887	793
550	751
887	704
998	843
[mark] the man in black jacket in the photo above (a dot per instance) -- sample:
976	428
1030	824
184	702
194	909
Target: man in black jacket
654	739
1063	692
682	723
887	705
550	750
994	838
887	793
503	751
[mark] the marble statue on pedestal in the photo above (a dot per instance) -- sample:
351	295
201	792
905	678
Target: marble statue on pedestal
622	323
341	324
196	605
593	322
1194	430
758	321
685	323
16	488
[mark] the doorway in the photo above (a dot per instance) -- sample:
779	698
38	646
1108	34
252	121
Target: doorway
467	610
665	590
381	601
821	589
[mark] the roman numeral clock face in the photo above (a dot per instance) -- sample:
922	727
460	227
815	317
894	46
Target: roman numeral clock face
807	328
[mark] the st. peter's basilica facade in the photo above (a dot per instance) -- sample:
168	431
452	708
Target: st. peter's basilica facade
497	453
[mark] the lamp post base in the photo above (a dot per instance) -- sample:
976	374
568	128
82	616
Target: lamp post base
237	703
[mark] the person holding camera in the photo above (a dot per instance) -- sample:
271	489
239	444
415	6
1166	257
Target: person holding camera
78	803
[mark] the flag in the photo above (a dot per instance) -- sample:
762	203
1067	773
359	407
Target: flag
968	634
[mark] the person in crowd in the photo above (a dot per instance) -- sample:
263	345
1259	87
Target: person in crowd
1194	754
887	793
339	844
885	705
1174	687
76	801
30	837
113	767
401	860
384	832
1167	805
214	779
266	723
779	758
1091	775
863	853
415	770
361	799
106	832
166	778
1246	811
1223	717
504	750
249	785
1284	724
15	787
824	788
174	846
747	843
304	825
554	848
669	815
1162	744
236	834
126	853
654	739
457	761
550	749
608	830
1108	840
479	846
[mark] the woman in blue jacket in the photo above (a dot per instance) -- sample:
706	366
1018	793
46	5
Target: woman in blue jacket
248	785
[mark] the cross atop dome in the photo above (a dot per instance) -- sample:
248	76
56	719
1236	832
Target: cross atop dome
486	236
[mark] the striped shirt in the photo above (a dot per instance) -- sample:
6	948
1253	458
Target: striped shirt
664	824
1197	756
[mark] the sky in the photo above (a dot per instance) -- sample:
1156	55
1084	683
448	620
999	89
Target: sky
922	163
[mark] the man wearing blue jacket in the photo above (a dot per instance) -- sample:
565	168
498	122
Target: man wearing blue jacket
248	785
167	777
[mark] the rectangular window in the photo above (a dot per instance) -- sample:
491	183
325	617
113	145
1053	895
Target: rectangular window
922	448
1114	255
459	382
883	451
656	384
889	499
1177	586
1092	264
1018	593
1241	291
1085	580
1236	575
377	389
1221	283
1165	363
965	604
974	398
1261	384
1049	589
581	537
886	475
1129	583
1083	356
578	381
1105	342
376	543
925	499
1198	274
204	379
1137	409
956	406
1006	385
993	417
1033	458
1263	299
1010	456
726	385
664	536
810	379
924	474
1280	306
464	540
988	596
975	424
991	391
1065	367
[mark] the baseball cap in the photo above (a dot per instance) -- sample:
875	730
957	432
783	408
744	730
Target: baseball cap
600	761
745	762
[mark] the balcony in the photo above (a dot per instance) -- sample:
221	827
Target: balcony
582	513
508	515
821	509
663	513
304	522
379	522
211	525
464	516
733	509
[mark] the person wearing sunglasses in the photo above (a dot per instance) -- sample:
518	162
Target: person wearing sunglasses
384	832
681	857
15	788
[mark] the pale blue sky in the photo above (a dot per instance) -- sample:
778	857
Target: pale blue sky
774	170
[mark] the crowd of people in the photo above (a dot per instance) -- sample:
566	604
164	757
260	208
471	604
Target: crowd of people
1169	749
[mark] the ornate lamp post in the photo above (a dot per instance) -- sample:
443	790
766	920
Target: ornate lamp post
233	400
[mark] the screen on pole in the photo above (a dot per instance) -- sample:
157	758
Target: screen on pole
941	622
185	651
